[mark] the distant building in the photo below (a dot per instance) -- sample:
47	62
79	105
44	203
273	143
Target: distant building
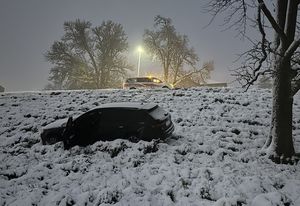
188	82
219	84
2	89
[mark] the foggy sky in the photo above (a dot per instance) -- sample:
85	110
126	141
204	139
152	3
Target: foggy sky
29	27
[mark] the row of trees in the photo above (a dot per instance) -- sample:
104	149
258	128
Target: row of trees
89	57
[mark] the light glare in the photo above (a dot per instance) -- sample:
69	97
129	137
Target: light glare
140	49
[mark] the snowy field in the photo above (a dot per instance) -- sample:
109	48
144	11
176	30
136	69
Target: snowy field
214	158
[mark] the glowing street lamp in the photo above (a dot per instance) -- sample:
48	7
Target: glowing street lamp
140	50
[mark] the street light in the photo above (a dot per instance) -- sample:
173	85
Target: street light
140	50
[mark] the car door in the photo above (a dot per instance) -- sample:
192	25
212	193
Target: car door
119	123
130	122
110	124
87	127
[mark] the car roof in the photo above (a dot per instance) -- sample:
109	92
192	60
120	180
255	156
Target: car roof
128	105
117	105
145	77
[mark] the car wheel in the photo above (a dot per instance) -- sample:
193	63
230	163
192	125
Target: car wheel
166	87
137	135
132	88
50	138
134	138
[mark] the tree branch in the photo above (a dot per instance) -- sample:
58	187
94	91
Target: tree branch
186	76
252	78
272	20
292	48
205	67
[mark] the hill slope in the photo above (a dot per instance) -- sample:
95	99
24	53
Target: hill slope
214	158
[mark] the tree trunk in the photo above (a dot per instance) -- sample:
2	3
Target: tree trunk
97	77
175	75
102	78
166	74
280	143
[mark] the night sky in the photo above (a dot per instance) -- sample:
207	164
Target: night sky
29	27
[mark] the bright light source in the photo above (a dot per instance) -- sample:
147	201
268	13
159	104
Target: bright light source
140	49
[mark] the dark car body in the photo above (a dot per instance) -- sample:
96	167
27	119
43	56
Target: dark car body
133	121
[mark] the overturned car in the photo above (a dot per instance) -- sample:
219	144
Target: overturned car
132	121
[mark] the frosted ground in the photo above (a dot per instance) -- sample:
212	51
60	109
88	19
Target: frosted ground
214	158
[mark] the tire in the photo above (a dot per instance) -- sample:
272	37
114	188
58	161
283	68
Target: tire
134	138
50	137
137	135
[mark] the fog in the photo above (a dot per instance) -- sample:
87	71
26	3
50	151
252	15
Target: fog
28	28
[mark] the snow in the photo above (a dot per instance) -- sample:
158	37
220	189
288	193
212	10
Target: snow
128	105
214	158
57	124
159	114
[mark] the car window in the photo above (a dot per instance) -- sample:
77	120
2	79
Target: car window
119	115
109	115
89	117
144	80
131	80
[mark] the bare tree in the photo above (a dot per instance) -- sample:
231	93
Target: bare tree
278	57
181	55
88	57
160	41
171	49
205	74
197	75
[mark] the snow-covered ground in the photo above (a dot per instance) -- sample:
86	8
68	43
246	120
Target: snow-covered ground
214	158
